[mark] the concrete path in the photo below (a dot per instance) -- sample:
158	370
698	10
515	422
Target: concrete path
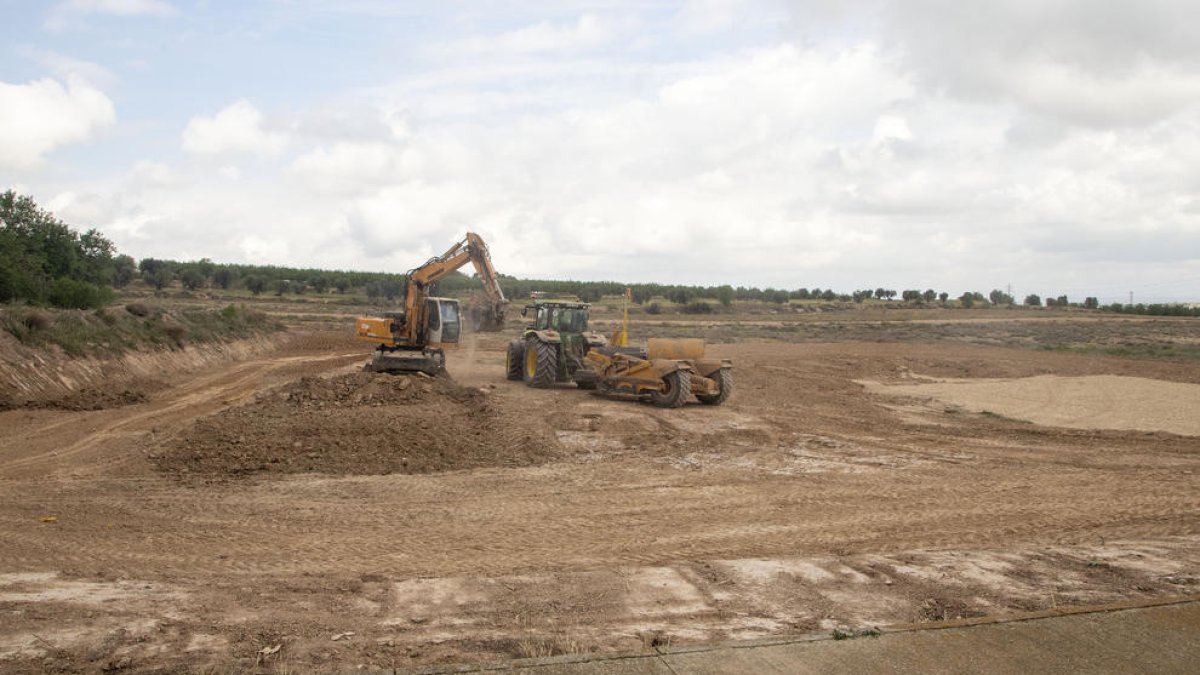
1164	638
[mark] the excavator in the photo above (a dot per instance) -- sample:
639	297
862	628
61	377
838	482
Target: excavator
415	339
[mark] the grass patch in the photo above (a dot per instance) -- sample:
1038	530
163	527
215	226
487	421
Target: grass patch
114	330
1172	351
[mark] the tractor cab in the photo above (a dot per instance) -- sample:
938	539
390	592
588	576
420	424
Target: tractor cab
561	317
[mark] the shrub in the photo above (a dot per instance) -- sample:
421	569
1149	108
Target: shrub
653	308
71	294
36	320
176	332
698	308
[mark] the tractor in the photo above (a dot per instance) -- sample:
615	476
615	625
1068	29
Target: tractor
558	348
553	347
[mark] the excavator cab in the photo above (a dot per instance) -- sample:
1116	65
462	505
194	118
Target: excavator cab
443	323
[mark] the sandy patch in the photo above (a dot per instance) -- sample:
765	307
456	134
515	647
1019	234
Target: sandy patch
1091	402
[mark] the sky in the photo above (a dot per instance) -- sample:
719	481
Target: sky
1050	146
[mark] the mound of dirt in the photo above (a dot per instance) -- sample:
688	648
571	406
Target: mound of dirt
355	424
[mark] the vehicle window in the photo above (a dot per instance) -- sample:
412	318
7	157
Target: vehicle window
542	318
450	312
435	321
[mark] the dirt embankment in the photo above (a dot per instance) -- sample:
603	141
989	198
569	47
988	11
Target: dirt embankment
357	423
40	378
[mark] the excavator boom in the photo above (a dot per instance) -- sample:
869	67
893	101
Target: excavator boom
427	324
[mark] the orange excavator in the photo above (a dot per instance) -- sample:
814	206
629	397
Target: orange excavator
415	338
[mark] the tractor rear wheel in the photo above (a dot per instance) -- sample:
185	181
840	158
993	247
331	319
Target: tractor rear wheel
724	379
514	360
541	363
675	390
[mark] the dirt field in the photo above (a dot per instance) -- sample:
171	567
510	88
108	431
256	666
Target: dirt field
286	511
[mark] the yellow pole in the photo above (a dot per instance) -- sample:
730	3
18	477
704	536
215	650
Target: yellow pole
622	337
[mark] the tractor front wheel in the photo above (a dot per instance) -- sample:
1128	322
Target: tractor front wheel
514	360
541	363
675	389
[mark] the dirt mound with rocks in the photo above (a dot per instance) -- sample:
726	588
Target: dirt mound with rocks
92	398
103	398
357	424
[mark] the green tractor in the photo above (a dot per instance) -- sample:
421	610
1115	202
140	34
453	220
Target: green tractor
557	347
553	347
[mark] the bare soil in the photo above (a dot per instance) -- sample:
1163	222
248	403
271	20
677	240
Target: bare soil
1088	402
356	424
435	521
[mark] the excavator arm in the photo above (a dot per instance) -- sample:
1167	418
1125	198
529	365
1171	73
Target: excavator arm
407	329
488	314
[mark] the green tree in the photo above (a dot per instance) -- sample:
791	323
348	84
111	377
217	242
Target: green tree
1033	300
160	276
71	294
36	249
124	270
725	295
191	278
224	276
256	284
589	294
999	297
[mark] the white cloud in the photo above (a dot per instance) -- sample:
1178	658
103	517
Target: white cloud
927	144
67	68
349	167
587	32
1086	63
237	128
39	116
62	14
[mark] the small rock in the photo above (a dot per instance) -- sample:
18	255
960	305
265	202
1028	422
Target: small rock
418	619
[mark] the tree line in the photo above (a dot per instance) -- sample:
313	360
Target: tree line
43	261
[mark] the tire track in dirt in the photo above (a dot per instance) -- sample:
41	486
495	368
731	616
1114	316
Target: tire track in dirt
296	553
524	526
201	395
